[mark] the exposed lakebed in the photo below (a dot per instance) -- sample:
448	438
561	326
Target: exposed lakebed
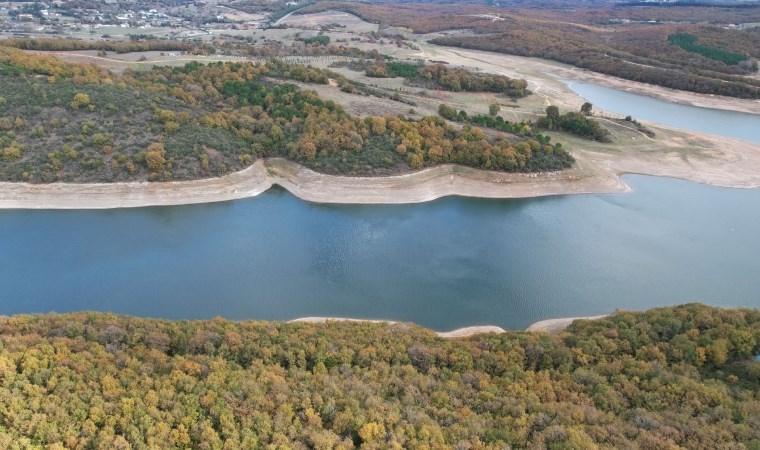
444	264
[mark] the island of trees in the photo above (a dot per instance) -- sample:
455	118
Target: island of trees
78	122
679	377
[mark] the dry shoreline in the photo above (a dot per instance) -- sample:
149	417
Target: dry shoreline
551	326
713	160
425	185
458	333
554	326
593	173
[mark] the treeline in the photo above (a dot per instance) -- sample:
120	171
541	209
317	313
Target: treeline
450	79
250	46
559	160
456	80
278	14
52	44
680	377
320	39
392	69
82	123
574	122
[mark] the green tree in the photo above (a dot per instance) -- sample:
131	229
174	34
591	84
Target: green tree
81	100
552	113
447	112
12	152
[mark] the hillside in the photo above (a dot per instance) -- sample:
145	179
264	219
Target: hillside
82	123
679	377
643	44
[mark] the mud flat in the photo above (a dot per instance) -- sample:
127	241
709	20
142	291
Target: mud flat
555	326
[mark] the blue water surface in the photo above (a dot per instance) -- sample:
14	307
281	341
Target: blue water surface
444	264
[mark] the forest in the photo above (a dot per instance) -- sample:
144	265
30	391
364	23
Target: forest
78	122
593	39
676	377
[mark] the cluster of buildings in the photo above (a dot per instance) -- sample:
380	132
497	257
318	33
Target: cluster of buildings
57	12
25	18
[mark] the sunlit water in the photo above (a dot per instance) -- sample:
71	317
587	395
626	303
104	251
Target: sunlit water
444	264
712	121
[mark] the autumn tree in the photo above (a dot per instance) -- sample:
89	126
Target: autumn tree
155	157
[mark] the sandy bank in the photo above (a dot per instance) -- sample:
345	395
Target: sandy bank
458	333
311	186
551	326
554	326
246	183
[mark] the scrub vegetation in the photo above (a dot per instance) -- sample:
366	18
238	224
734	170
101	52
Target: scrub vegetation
678	377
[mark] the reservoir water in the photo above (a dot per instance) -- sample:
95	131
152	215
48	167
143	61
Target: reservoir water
705	120
445	264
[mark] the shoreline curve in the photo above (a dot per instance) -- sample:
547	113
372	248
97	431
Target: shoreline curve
417	187
551	326
554	326
458	333
593	173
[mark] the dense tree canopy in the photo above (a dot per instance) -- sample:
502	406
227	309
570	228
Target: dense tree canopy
679	377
